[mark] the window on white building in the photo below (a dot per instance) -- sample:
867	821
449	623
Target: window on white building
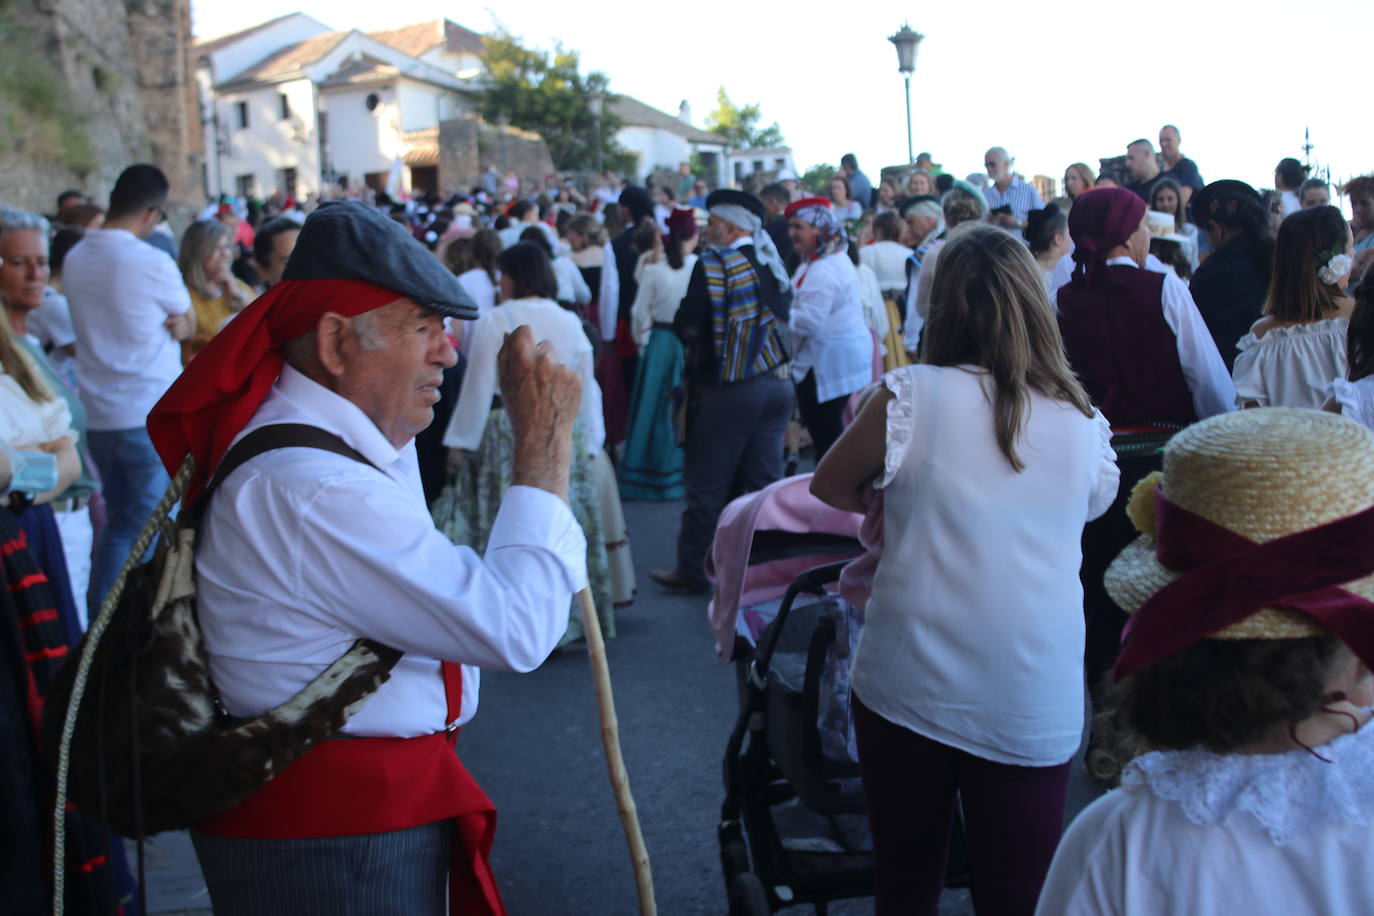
242	109
285	106
288	182
244	184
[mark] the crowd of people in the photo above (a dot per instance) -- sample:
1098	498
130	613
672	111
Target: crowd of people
967	365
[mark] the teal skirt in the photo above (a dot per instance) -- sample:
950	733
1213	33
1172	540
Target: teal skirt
651	469
466	510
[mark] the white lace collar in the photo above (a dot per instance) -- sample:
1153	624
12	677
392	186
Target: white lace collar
1289	794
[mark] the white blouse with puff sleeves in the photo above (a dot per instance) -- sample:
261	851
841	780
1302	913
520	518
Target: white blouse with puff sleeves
830	336
1291	365
974	627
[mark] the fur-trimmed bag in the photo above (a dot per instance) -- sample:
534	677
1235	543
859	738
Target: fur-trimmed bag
151	748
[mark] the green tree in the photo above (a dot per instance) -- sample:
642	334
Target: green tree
547	93
817	179
740	124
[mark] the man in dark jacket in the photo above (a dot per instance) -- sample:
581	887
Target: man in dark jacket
731	323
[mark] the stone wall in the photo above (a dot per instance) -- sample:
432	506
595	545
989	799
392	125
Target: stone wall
468	146
121	72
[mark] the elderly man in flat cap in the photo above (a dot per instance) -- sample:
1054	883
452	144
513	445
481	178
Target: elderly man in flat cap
306	549
731	323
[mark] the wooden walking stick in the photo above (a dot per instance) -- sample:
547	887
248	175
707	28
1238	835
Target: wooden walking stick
615	762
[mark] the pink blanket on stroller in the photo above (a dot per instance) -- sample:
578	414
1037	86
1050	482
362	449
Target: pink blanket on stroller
786	505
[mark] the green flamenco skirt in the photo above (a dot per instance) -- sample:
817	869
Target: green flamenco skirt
652	466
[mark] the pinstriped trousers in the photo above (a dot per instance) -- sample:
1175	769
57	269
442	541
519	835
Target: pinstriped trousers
399	873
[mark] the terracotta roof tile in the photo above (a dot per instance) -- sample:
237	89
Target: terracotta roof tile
290	60
637	114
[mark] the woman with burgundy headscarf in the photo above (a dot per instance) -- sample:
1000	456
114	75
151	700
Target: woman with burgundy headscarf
1145	356
832	348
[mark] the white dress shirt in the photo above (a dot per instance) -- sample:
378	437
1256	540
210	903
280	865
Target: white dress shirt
121	292
828	330
303	551
548	321
660	293
1208	381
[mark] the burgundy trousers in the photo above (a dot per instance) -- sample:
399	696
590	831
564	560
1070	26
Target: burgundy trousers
1013	817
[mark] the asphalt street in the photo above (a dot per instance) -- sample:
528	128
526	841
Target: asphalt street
535	747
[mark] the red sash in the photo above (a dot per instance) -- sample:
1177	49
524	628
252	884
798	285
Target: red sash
374	785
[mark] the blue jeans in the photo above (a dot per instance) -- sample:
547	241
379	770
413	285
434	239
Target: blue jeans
133	480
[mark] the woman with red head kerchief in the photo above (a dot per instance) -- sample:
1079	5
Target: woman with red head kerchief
1140	347
832	349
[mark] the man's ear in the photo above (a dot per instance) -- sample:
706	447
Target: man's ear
331	338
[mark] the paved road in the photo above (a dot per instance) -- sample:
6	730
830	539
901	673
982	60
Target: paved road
536	749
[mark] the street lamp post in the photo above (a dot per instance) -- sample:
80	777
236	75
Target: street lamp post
906	41
595	98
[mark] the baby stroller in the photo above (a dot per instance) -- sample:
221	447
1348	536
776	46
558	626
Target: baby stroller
793	827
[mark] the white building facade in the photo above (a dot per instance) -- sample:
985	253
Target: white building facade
291	107
661	141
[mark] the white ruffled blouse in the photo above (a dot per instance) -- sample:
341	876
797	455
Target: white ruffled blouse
974	626
1196	832
1356	399
1291	365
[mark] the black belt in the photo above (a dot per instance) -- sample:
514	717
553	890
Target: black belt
663	326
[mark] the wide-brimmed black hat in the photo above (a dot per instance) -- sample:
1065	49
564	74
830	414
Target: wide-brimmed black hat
739	198
348	240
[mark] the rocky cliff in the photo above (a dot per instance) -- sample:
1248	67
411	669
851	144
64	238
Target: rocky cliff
90	86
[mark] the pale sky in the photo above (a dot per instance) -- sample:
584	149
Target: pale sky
1052	81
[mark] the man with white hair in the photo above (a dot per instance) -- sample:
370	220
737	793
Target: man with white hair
731	323
1006	190
327	539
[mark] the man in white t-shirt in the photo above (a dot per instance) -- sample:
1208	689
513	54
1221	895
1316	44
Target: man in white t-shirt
130	309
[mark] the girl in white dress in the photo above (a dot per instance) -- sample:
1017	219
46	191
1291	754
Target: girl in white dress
1245	708
1298	347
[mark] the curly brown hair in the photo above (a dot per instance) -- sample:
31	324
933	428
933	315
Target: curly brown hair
1217	694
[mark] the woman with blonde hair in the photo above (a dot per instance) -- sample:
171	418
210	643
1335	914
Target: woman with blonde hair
1077	179
1299	345
968	677
207	252
918	183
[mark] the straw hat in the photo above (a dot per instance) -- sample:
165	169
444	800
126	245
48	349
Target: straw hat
1262	473
1163	227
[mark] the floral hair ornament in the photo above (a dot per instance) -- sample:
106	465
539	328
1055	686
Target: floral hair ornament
1335	263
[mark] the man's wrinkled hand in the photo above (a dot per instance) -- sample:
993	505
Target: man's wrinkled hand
541	397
